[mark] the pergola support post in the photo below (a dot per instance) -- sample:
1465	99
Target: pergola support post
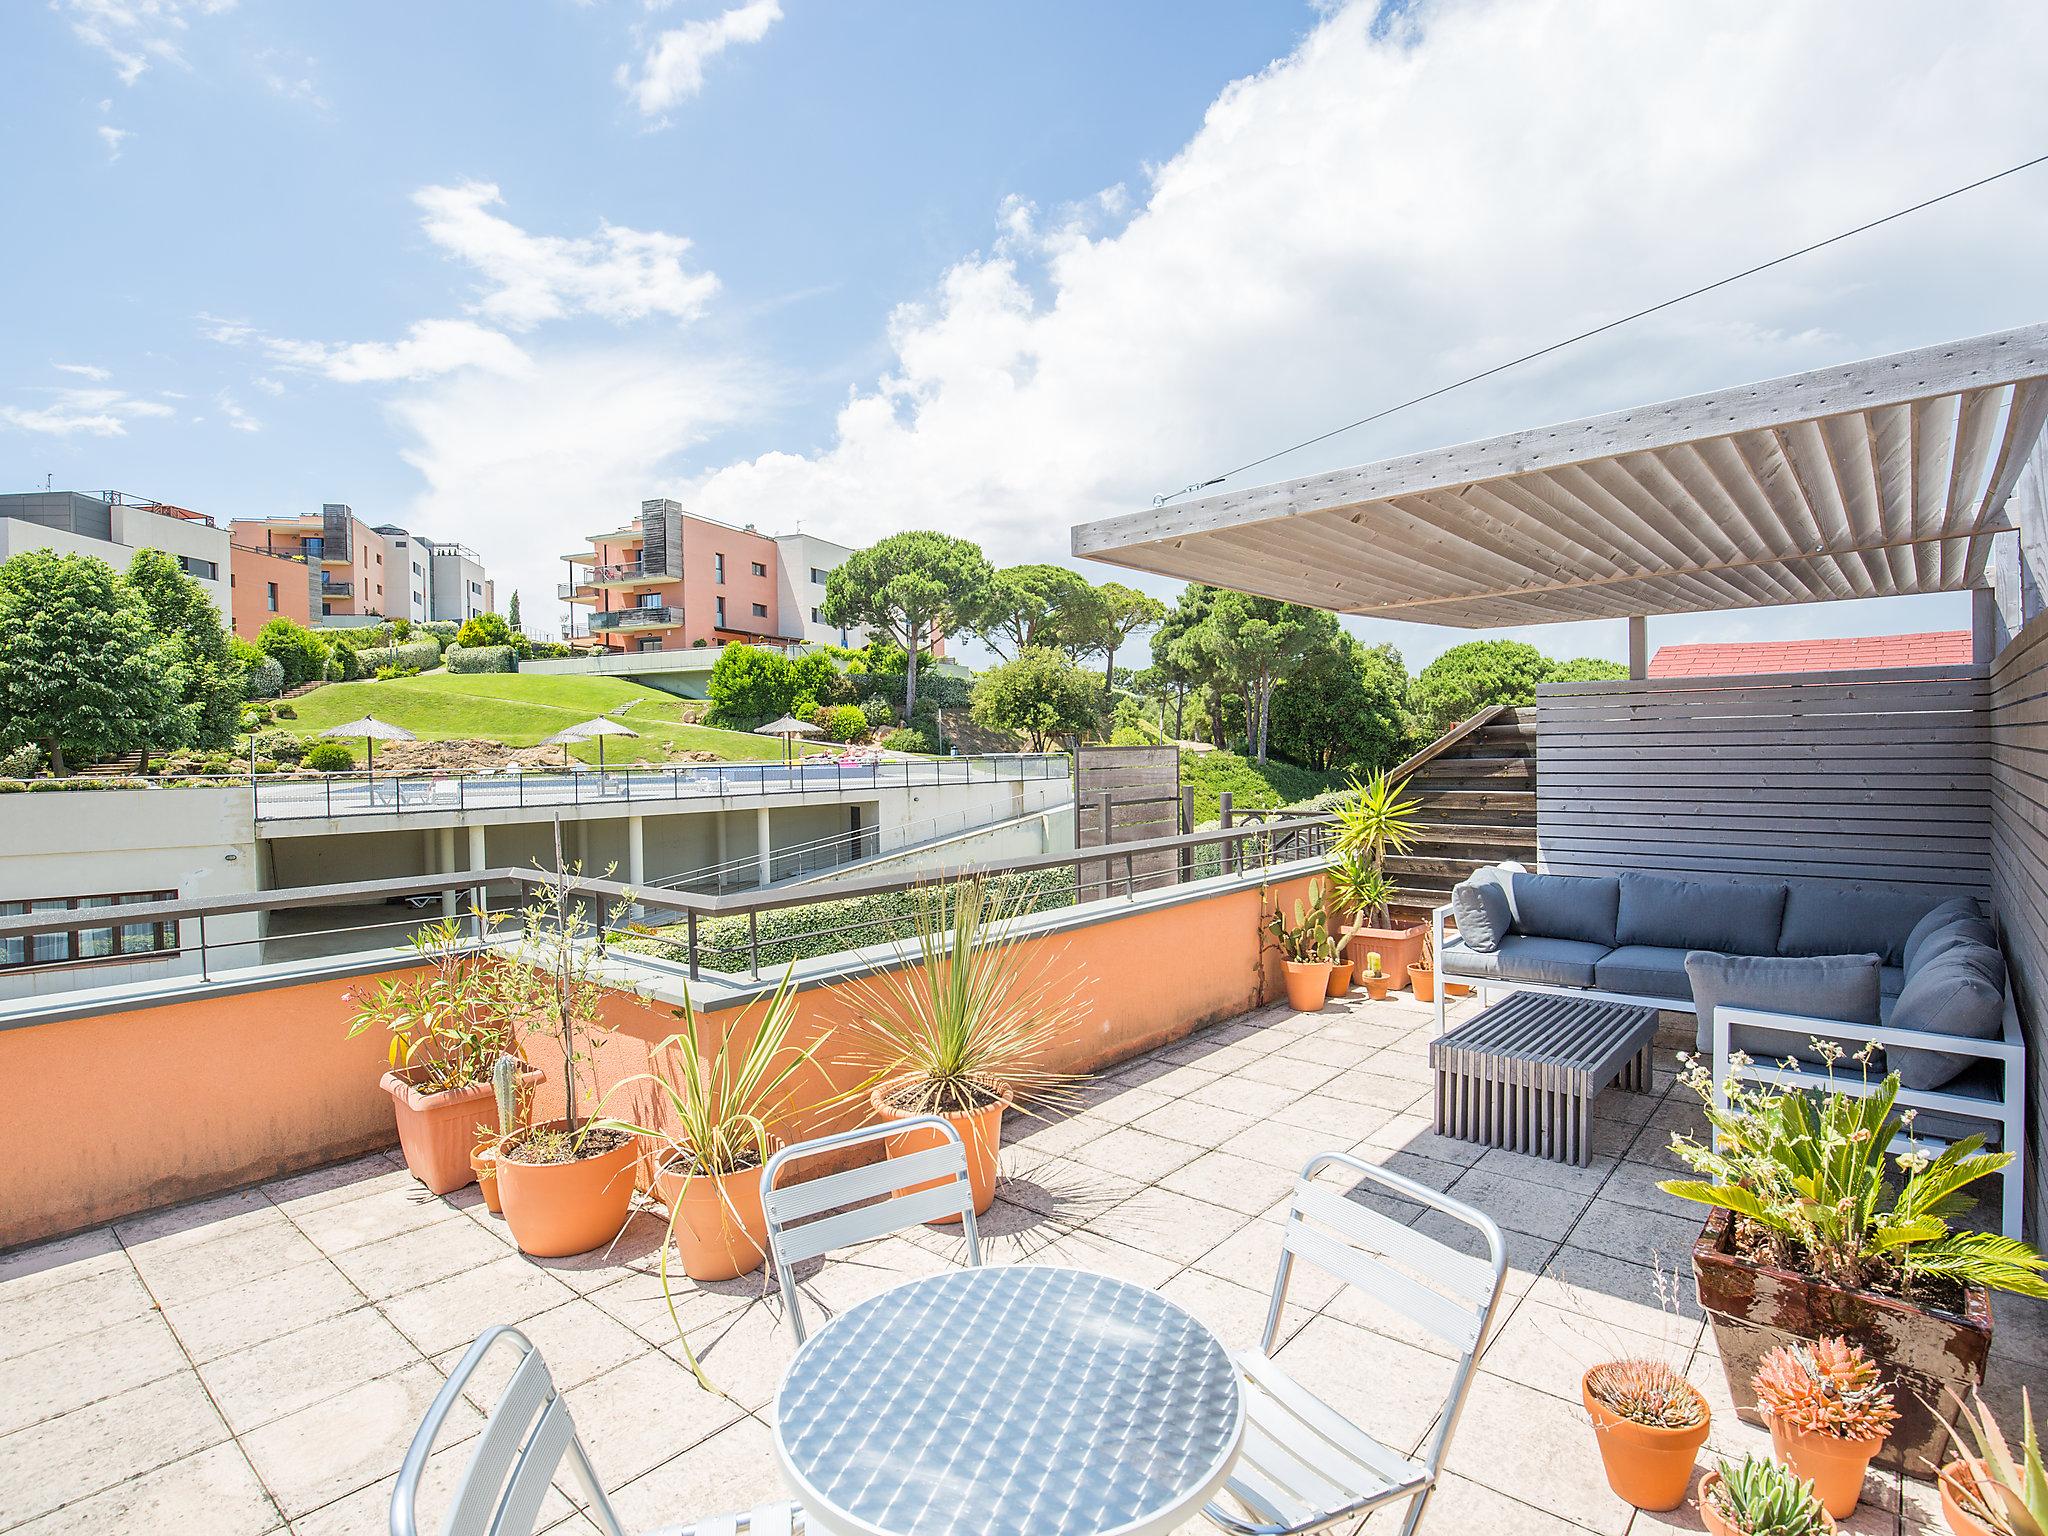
1638	647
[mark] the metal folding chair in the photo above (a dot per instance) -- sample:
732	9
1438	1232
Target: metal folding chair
522	1447
1305	1467
807	1220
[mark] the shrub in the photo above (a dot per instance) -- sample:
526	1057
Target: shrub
750	684
12	787
844	722
330	757
386	674
280	747
551	650
878	710
23	762
480	658
301	653
807	711
903	739
266	678
1129	736
443	630
284	711
488	629
412	656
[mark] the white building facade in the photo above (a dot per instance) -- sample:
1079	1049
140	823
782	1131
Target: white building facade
113	527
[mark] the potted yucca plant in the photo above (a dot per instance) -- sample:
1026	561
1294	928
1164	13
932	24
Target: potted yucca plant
1829	1414
1991	1490
1817	1229
1649	1423
1755	1497
1307	956
1377	817
961	1026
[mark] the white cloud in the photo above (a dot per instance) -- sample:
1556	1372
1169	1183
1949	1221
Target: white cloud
430	347
672	65
84	371
112	137
228	332
236	416
288	75
134	34
91	412
270	386
618	274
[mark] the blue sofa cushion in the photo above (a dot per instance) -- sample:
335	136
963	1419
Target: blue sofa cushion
1957	932
1891	980
1843	987
1576	907
1940	917
1644	970
1981	1080
1825	918
1736	917
1960	993
1524	957
1483	914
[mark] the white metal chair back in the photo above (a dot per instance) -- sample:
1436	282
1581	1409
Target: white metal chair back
812	1218
1305	1467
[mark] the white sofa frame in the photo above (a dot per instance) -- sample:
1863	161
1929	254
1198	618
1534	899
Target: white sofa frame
2007	1113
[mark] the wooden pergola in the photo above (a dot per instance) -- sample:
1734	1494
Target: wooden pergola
1871	479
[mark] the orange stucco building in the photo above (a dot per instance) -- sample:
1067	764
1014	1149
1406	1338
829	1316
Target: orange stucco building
268	584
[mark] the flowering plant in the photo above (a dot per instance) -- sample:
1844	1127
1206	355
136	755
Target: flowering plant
1828	1387
1807	1175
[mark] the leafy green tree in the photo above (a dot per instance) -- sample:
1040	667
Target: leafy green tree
1469	677
1178	651
911	588
1344	706
1255	642
484	629
1033	605
751	685
1112	614
301	653
1585	669
83	672
212	681
512	610
1039	692
815	673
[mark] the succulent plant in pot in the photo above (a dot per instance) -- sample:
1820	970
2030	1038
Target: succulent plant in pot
1373	976
1650	1423
1829	1413
1991	1489
511	1096
1306	953
1755	1497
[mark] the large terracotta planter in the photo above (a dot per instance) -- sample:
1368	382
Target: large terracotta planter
1398	948
1646	1465
556	1209
1340	979
1933	1358
437	1131
981	1130
1833	1465
1308	985
1711	1517
720	1230
1960	1520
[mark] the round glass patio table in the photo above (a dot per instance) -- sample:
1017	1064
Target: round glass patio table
1010	1400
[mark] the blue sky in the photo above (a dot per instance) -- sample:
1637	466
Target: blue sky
991	268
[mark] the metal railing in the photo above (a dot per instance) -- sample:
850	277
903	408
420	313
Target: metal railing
336	588
665	927
635	618
285	798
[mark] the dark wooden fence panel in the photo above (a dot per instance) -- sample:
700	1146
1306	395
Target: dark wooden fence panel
2019	864
1126	795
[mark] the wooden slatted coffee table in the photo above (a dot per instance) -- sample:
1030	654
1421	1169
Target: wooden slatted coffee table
1523	1074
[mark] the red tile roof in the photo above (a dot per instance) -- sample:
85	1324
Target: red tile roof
1939	648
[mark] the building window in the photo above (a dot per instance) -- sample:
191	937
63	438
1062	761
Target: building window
760	569
648	643
647	600
107	942
817	577
476	589
314	548
721	613
270	596
205	570
760	610
718	568
416	569
326	610
817	615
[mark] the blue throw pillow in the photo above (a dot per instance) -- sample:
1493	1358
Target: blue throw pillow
1484	917
1735	917
1840	987
1956	933
1960	993
1577	907
1949	911
1828	917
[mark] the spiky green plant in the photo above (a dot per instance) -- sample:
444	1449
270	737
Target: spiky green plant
1305	940
2011	1494
1646	1392
1360	887
1761	1498
505	1089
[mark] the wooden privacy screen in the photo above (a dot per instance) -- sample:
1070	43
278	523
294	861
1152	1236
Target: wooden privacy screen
1882	776
2019	860
1141	788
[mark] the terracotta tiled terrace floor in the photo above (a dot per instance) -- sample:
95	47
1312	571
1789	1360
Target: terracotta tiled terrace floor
257	1362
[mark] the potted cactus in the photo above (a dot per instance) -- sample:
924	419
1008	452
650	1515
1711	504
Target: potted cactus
1754	1497
1374	977
1649	1423
1306	953
506	1089
1829	1415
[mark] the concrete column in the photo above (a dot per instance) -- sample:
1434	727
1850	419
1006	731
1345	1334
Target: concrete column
474	861
1638	647
762	847
636	852
718	821
1983	626
442	862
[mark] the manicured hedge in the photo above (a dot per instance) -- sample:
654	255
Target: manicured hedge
410	653
908	741
480	658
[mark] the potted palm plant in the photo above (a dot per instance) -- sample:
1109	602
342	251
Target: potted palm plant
566	1185
447	1031
1306	954
1991	1491
724	1110
1649	1423
1377	817
1755	1497
1808	1237
1829	1415
961	1026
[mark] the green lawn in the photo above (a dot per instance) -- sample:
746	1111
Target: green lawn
522	710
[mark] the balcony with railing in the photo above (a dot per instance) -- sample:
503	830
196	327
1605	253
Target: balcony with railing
636	618
332	588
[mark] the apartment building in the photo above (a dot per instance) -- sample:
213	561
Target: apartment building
671	580
265	584
359	573
113	526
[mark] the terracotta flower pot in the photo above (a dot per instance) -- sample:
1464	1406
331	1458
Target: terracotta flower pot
1422	979
556	1209
1833	1465
1959	1519
1712	1517
1933	1358
981	1129
1308	985
483	1162
1647	1465
1398	948
1377	987
1340	979
1457	989
720	1230
436	1131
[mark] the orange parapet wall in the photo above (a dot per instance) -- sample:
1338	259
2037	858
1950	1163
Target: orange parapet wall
144	1107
